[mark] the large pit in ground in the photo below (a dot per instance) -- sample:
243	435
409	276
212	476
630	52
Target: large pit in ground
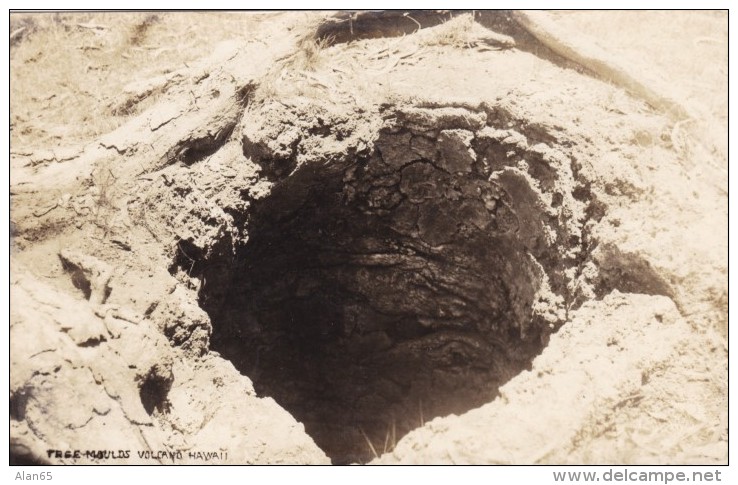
405	283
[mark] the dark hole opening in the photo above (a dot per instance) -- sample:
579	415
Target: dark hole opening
153	392
365	311
18	403
79	280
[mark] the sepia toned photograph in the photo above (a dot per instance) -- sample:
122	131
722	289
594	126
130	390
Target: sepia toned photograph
382	237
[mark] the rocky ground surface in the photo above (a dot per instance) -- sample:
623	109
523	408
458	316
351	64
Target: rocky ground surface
422	238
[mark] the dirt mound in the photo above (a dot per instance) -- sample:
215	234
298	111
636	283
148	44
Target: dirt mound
434	245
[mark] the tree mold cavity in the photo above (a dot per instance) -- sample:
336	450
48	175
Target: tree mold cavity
402	283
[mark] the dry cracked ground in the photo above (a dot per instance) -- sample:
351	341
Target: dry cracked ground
369	237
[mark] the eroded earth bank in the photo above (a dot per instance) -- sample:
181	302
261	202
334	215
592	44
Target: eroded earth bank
351	239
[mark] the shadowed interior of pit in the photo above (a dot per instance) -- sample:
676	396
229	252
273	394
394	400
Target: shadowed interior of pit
365	306
405	282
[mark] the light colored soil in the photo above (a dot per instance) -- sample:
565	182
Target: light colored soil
70	71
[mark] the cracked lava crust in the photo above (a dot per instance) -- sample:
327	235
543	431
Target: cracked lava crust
403	283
